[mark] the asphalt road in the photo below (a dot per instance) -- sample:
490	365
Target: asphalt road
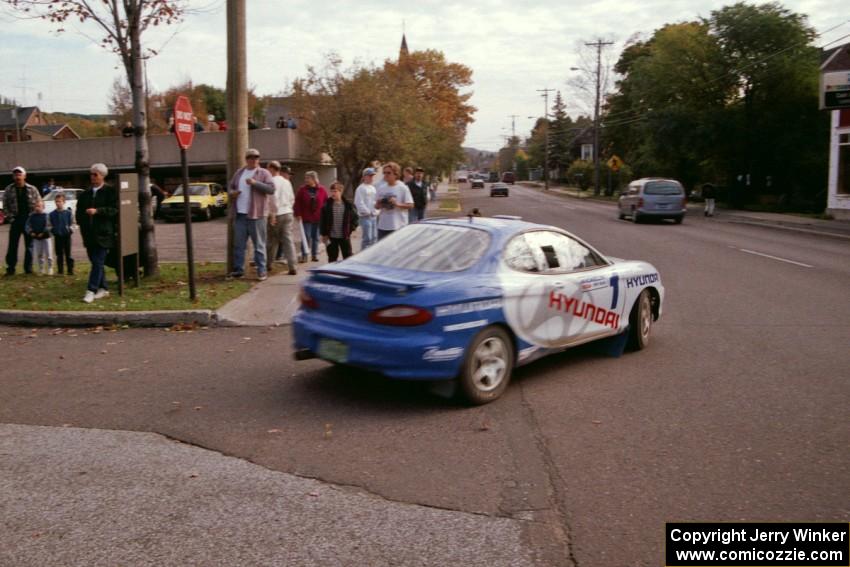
736	411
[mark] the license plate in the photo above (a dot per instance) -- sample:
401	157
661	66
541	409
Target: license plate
333	350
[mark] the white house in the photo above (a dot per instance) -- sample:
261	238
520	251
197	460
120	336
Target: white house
837	61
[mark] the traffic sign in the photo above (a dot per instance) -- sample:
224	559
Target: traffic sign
184	122
615	163
835	90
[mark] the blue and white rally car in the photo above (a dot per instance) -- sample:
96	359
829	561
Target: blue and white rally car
462	299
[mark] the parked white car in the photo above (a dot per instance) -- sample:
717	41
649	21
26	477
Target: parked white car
70	199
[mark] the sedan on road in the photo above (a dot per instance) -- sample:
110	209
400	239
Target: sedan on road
499	189
477	183
469	300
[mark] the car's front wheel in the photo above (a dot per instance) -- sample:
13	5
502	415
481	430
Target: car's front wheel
487	368
640	321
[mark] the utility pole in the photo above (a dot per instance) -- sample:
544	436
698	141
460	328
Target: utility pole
545	96
598	44
513	118
237	106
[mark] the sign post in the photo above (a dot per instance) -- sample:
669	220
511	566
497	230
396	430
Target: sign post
184	130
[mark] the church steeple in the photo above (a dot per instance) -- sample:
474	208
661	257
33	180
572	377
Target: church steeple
403	52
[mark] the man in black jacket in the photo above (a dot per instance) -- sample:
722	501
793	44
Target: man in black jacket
419	190
97	209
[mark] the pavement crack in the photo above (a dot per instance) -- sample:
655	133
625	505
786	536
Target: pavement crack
554	479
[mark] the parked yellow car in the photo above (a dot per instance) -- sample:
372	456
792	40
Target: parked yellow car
205	199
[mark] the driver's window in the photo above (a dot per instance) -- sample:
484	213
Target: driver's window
560	253
519	256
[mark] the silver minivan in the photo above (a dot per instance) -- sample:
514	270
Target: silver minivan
653	197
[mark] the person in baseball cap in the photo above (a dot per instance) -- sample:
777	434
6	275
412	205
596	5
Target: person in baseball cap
19	200
364	201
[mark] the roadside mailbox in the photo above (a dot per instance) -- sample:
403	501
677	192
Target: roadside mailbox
128	228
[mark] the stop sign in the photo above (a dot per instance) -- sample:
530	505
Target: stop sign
184	122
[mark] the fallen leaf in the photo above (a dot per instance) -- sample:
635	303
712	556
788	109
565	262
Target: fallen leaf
328	430
123	369
314	494
596	422
198	408
274	431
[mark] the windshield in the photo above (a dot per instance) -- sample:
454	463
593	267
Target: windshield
196	190
662	188
427	248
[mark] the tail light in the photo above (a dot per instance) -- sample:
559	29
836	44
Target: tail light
307	300
684	202
640	203
401	316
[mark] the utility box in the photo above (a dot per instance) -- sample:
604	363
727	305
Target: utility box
128	228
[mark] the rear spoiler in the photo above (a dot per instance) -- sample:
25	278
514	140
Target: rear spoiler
397	284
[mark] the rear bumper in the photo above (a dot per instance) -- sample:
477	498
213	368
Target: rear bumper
662	214
403	353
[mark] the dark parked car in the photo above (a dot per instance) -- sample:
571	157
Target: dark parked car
499	189
509	177
493	177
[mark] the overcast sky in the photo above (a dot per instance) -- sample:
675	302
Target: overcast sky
512	47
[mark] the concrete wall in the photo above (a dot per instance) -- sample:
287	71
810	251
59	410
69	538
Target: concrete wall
118	153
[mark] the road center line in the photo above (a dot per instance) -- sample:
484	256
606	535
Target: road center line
774	257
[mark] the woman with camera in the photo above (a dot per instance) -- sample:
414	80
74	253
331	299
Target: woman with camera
394	200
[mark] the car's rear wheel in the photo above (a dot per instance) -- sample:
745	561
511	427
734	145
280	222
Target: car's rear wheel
640	321
487	368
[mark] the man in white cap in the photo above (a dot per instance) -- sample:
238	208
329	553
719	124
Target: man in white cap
250	191
19	200
364	201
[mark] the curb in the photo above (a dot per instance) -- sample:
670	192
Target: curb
769	224
203	317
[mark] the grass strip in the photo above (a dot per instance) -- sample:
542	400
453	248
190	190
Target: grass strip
168	291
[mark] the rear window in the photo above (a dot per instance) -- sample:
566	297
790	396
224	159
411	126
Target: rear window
427	248
662	188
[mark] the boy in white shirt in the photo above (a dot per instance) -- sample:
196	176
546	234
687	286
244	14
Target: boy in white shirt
364	201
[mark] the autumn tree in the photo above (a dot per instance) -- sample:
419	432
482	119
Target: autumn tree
121	25
361	114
